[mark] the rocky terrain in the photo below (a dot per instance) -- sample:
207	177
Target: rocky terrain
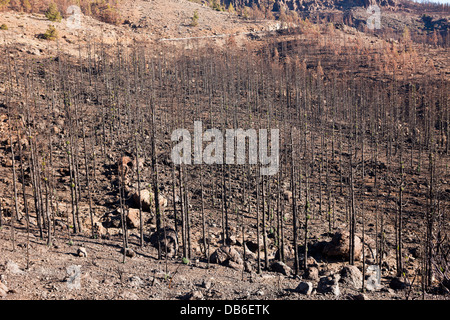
78	267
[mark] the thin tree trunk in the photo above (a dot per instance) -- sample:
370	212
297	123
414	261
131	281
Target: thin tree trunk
294	210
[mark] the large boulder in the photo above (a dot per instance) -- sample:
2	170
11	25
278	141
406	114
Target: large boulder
3	290
252	245
248	255
329	284
352	276
99	229
287	196
305	288
226	255
287	253
114	219
310	262
81	252
359	297
167	239
124	165
397	284
147	200
133	218
130	253
281	267
311	273
339	246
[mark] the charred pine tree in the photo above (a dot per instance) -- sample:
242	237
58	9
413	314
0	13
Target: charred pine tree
429	223
205	240
258	218
25	204
264	231
352	216
280	216
307	218
174	198
155	180
138	175
15	212
88	181
294	208
123	214
187	217
182	210
399	247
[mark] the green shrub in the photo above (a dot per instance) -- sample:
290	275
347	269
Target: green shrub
215	4
4	3
50	34
26	6
231	8
53	13
194	19
3	27
104	11
110	15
